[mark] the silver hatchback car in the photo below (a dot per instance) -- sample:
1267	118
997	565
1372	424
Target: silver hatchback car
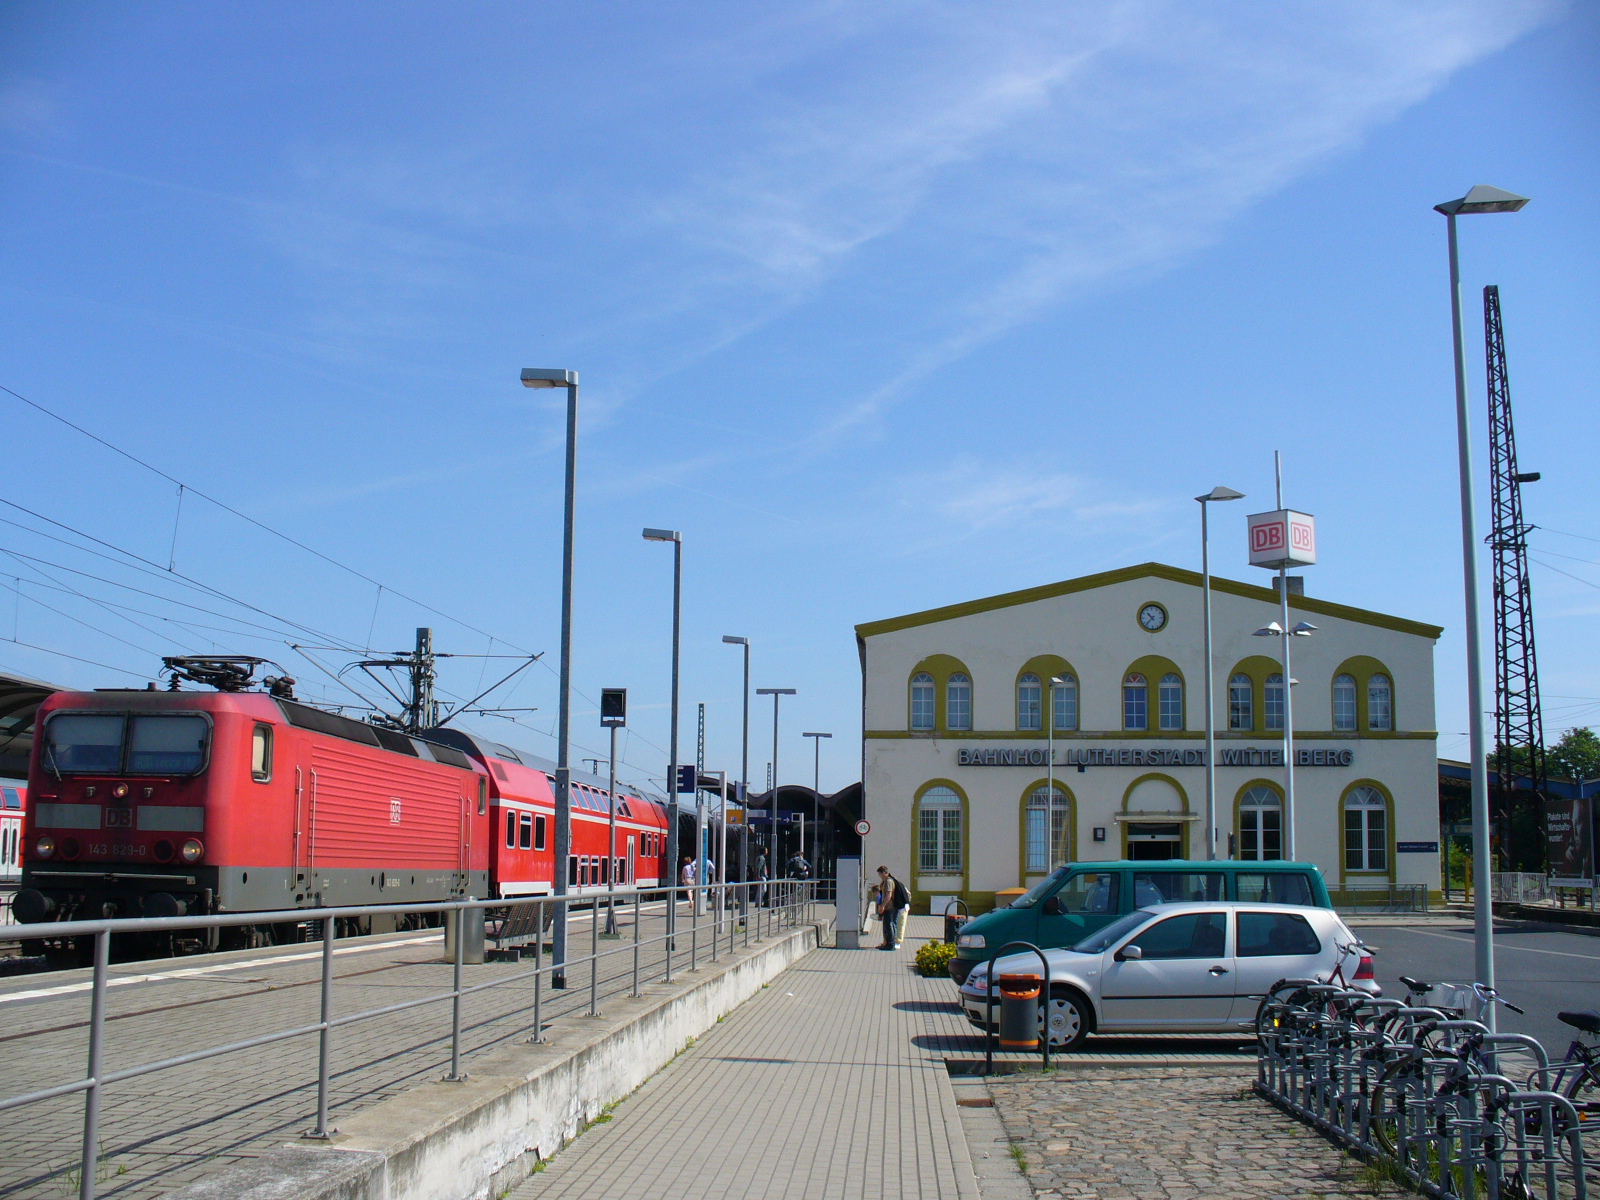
1197	967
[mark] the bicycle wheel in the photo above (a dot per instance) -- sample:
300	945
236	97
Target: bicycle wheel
1277	1006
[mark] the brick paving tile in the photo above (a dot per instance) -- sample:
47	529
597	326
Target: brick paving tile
1143	1133
825	1085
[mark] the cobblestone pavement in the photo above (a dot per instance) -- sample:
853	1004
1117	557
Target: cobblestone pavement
1144	1133
166	1129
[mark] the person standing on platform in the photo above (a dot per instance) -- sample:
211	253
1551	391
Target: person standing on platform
893	901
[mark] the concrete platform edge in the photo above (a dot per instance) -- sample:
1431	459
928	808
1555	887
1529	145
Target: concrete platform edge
520	1104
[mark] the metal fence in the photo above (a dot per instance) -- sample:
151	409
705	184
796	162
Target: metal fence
696	924
1520	887
1427	1097
1394	897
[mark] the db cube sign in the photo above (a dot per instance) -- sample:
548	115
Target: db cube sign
1283	539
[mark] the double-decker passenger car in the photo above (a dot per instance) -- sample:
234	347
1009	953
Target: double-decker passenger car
13	800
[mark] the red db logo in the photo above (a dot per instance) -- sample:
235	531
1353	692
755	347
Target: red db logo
1266	537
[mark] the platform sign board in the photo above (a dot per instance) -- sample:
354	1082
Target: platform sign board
1283	538
1570	836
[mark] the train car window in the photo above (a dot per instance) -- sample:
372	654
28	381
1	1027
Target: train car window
538	833
167	745
572	871
483	795
261	754
605	870
527	831
511	830
83	742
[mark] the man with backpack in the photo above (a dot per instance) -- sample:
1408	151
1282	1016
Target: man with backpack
893	901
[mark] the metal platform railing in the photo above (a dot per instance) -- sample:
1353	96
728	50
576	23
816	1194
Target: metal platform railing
699	921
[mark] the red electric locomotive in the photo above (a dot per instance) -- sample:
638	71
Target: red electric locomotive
165	803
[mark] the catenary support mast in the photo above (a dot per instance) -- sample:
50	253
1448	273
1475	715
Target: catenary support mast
1519	727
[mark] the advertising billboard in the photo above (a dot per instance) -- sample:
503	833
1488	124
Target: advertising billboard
1283	538
1569	836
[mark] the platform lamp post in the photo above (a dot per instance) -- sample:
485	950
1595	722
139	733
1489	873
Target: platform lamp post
613	716
676	538
1214	495
816	804
1481	199
772	792
535	377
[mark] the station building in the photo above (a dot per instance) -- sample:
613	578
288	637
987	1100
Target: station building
961	719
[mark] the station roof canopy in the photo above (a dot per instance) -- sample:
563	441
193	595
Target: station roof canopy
20	698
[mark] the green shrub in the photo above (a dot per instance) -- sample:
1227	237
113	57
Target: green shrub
933	958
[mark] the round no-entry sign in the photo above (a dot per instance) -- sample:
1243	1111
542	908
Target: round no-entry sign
863	827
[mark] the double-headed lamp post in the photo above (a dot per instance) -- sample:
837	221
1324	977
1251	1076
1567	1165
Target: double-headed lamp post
1481	199
676	538
816	785
1273	629
1214	495
744	754
772	792
1050	768
536	377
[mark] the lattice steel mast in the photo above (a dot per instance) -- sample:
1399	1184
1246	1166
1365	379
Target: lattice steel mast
1519	727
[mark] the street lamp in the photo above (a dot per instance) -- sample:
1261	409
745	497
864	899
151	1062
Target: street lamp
816	785
744	759
772	792
676	538
1481	199
1214	495
1050	770
535	377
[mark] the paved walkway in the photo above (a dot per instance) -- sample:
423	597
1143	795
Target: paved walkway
826	1085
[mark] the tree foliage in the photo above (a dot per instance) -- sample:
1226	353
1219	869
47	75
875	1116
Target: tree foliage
1575	756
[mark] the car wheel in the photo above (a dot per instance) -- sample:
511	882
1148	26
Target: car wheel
1068	1021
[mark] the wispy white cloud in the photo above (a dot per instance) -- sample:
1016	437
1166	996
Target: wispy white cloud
944	172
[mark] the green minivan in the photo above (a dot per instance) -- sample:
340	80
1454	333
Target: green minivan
1077	898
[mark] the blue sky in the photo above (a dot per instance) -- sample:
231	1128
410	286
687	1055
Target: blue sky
885	306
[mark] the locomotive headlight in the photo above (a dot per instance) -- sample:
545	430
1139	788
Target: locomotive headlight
120	792
44	847
192	850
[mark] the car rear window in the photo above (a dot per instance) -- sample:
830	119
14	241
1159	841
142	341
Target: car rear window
1275	934
1165	887
1275	887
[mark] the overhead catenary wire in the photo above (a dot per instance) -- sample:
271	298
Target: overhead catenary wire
228	508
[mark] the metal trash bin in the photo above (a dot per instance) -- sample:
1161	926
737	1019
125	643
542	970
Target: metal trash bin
1019	1011
472	950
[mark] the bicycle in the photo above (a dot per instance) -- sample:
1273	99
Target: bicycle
1290	995
1577	1077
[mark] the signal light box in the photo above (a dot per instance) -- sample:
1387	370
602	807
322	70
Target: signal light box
1284	538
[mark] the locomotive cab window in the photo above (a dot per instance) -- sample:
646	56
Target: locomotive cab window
483	795
167	745
261	754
